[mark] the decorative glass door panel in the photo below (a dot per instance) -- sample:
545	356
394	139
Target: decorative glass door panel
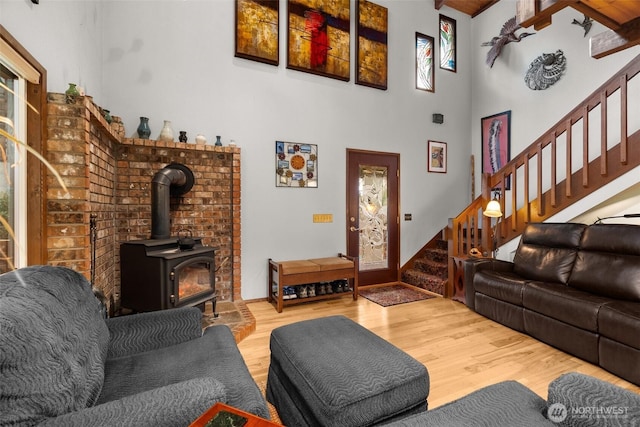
373	218
373	231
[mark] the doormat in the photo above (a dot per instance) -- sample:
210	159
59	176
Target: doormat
393	295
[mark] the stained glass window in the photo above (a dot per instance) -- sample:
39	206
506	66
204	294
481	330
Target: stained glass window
447	43
424	63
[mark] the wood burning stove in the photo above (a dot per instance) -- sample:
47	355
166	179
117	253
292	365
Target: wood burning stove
157	274
166	272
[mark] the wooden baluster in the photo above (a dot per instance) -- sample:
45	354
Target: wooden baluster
603	133
624	143
567	187
585	146
525	191
554	173
539	180
486	221
514	187
569	138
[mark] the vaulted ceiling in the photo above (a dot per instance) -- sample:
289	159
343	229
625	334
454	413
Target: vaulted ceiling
622	17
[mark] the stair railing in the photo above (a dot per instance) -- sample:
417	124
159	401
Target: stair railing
572	159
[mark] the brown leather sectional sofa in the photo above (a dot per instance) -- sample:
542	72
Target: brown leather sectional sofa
573	286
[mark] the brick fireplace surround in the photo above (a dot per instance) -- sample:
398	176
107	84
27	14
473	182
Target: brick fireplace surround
109	177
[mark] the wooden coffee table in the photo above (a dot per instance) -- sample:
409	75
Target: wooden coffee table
252	420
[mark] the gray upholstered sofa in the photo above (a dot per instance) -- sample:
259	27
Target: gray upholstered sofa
62	363
573	286
573	400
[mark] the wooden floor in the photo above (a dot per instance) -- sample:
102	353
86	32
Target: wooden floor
462	350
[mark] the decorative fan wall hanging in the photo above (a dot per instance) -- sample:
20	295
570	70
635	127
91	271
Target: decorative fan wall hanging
545	70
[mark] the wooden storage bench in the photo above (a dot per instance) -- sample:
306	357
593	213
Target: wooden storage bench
307	272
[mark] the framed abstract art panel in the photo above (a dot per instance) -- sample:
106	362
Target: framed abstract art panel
318	34
257	30
371	45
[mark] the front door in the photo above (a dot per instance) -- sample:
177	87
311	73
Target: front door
372	214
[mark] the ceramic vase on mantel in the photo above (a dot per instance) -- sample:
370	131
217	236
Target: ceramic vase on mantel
166	134
71	93
200	139
143	128
183	136
107	116
218	141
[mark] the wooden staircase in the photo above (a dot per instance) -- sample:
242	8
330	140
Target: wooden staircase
429	268
575	157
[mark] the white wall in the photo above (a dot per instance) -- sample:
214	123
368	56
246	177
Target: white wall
64	36
174	60
179	65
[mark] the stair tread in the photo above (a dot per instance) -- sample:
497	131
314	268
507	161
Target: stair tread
430	261
425	280
420	273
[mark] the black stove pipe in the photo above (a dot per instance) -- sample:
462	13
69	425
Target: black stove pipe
174	179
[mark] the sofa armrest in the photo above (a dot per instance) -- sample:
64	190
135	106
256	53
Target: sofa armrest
472	266
141	332
172	405
591	401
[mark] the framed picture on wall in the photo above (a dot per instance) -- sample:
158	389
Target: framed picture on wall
257	30
437	161
371	42
424	63
296	165
496	142
318	34
447	43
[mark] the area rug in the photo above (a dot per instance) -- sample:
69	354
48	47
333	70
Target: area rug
393	295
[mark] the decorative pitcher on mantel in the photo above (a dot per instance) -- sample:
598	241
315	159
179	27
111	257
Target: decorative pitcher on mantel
143	128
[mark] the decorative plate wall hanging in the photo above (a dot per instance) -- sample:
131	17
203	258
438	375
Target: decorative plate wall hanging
545	70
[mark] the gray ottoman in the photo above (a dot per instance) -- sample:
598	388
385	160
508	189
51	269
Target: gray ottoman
333	372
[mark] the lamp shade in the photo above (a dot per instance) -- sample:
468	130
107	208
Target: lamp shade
493	209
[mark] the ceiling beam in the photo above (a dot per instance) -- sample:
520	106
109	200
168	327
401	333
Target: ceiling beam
611	41
596	15
483	8
539	12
